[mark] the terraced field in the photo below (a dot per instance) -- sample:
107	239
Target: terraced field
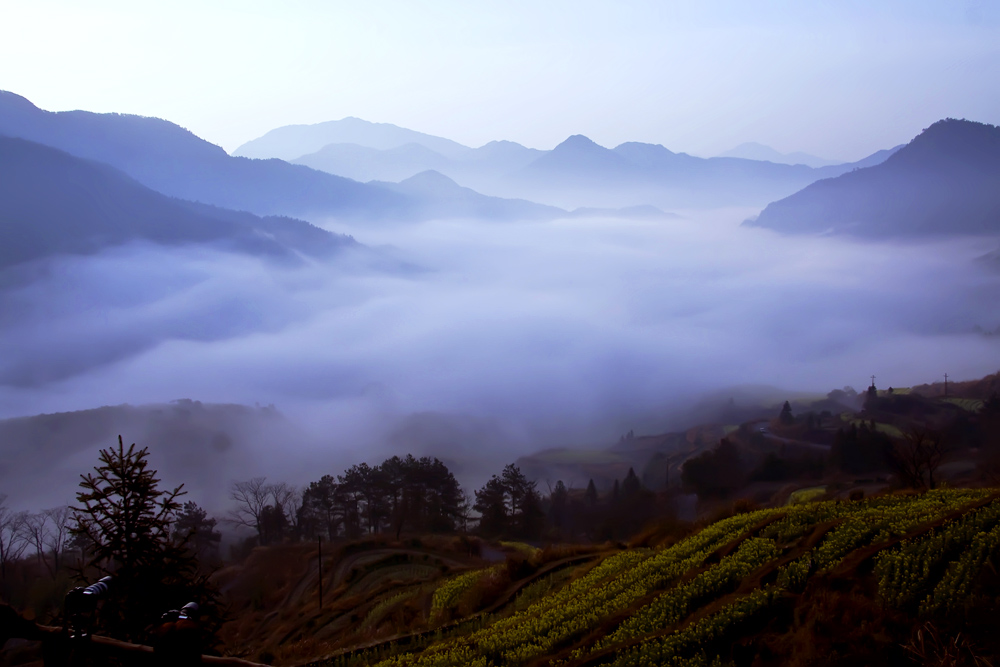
767	587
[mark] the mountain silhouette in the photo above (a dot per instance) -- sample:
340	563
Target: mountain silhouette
441	197
576	173
476	168
294	141
752	150
171	160
579	172
580	160
53	203
945	181
362	163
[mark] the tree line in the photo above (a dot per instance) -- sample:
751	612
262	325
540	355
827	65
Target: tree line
421	495
401	494
160	548
912	439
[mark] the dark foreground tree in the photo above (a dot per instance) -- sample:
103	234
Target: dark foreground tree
715	473
194	526
860	449
402	494
127	521
491	503
917	457
510	506
786	416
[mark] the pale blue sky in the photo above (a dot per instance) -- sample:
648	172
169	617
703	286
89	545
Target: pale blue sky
838	79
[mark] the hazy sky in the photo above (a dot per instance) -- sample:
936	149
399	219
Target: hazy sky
839	79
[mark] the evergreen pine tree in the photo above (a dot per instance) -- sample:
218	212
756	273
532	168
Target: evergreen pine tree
786	416
127	522
631	485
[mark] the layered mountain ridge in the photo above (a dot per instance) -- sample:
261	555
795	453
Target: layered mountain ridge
169	159
53	203
576	173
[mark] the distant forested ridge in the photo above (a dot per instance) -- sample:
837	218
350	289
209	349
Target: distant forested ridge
945	181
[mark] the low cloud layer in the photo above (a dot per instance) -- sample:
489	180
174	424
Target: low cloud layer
526	335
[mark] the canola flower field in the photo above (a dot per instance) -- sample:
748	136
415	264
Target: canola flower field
669	606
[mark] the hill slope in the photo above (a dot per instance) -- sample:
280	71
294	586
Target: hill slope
945	181
826	583
52	203
192	442
441	197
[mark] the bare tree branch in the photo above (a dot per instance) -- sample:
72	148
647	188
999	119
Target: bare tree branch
59	535
12	542
36	529
917	458
251	498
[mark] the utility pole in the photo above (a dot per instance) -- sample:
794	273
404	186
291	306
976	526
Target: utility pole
945	384
319	550
873	380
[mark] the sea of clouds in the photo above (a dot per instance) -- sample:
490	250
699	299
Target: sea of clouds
482	341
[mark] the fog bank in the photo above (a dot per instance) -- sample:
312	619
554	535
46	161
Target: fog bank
505	339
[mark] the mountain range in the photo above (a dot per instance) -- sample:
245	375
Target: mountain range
634	171
477	167
941	182
945	181
173	161
576	173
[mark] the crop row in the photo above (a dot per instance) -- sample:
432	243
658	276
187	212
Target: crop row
956	586
622	580
448	593
674	605
608	588
881	520
905	573
672	648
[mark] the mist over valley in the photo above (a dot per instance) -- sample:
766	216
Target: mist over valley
442	321
499	334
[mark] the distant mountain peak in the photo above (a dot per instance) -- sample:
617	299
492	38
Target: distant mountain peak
578	142
291	142
941	183
752	150
13	100
430	178
970	142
